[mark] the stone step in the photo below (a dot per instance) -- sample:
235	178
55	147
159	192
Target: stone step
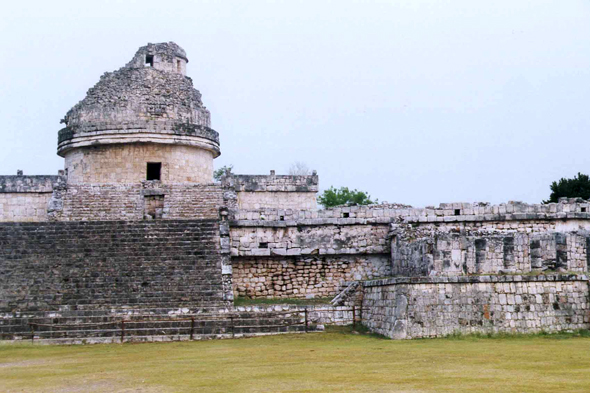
242	323
138	312
75	324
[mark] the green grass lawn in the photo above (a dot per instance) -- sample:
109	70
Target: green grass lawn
245	301
335	361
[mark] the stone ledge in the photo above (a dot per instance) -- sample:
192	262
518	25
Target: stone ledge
312	222
168	137
164	127
474	279
572	208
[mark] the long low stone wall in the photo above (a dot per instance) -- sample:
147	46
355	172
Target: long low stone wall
567	208
309	240
323	314
405	308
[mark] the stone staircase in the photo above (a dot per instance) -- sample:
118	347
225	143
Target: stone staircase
98	265
75	282
157	325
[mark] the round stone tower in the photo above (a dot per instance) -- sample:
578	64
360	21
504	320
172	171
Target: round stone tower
144	121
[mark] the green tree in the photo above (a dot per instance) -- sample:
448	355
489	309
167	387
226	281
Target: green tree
218	174
343	196
578	187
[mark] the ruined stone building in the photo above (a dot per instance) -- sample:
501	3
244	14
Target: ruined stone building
134	226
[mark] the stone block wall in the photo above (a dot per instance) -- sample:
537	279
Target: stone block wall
294	240
428	250
566	215
384	213
435	307
303	277
316	314
282	261
277	200
23	207
127	163
108	202
274	191
25	198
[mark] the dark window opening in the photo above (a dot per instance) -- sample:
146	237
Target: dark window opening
583	210
149	60
457	212
345	215
153	170
480	255
281	218
178	67
263	245
508	243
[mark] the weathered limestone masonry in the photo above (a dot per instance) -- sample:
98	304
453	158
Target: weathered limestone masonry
77	273
146	200
25	198
405	308
303	277
274	191
134	227
289	253
511	238
146	112
106	163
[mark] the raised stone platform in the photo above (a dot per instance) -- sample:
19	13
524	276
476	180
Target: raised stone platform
421	307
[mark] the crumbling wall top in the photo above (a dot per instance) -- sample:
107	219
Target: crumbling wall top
148	100
272	183
29	184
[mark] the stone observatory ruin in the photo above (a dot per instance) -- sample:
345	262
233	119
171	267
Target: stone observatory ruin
144	121
133	240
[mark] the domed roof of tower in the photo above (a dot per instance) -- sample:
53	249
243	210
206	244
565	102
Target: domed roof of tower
150	99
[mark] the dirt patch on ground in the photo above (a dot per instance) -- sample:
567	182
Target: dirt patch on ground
27	363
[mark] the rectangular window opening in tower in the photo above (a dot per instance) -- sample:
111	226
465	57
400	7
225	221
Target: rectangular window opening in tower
149	60
178	66
154	170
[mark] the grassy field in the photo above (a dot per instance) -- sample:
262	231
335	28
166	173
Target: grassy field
336	361
245	301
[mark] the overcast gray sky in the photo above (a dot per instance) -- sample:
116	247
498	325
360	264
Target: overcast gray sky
418	102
